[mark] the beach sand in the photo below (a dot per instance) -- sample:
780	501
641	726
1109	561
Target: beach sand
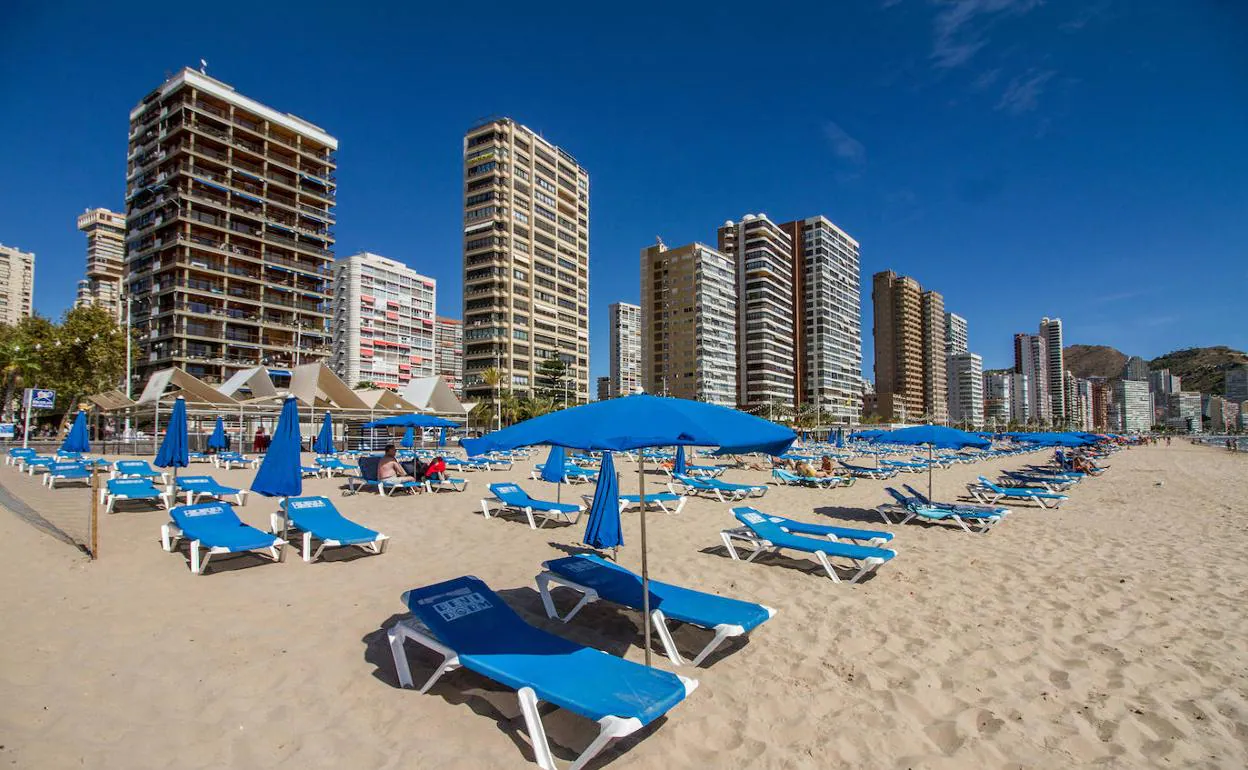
1112	633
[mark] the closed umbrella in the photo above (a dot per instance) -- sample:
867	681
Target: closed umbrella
932	436
279	474
218	440
441	436
638	422
679	466
409	438
553	470
324	444
77	439
174	452
603	529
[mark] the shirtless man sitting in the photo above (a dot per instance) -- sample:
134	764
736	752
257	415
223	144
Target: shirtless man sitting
390	469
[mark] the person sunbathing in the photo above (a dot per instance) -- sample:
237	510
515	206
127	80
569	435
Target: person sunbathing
390	469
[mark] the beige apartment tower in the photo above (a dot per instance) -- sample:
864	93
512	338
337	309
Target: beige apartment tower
526	259
689	323
909	331
106	256
17	284
229	209
762	254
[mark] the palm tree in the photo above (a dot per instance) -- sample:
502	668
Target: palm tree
494	378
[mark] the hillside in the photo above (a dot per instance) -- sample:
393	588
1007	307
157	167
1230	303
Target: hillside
1094	361
1202	369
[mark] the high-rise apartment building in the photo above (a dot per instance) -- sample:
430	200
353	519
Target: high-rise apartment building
935	380
1136	369
17	284
689	323
106	257
1031	358
1020	398
1102	397
966	389
1236	383
604	388
956	337
766	339
1078	403
1135	407
899	358
997	399
827	318
1055	368
448	353
229	205
383	324
1162	383
625	344
1185	412
526	259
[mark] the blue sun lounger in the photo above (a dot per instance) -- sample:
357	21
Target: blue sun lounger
333	466
132	489
987	492
862	471
659	500
867	536
788	478
512	498
214	528
765	536
999	510
199	487
228	460
909	508
138	469
37	464
572	474
17	454
471	627
1047	483
596	578
317	517
67	471
723	491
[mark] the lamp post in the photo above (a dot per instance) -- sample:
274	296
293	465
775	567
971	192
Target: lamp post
129	363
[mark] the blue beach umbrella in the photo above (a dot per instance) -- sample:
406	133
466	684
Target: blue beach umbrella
552	471
324	444
603	529
77	440
933	437
218	439
174	451
840	438
279	474
441	436
678	465
638	422
413	420
409	438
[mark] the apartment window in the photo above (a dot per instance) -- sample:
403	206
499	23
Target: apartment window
519	275
542	183
473	200
481	213
521	173
545	212
546	199
520	334
520	216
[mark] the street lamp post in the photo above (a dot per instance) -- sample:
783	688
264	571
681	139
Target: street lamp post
129	359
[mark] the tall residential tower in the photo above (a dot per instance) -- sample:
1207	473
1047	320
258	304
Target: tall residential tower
526	259
625	340
448	354
229	205
106	256
17	284
909	335
1055	366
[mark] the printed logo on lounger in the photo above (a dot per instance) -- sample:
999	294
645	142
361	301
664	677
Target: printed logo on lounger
462	606
299	505
210	510
752	518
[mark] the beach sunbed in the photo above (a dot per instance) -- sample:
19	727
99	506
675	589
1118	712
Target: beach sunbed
229	460
317	517
16	454
864	536
668	502
722	490
199	487
386	487
1047	483
132	489
37	464
198	457
214	528
333	466
471	627
596	578
138	469
765	536
999	510
864	472
987	492
788	478
67	471
572	474
909	508
445	483
511	497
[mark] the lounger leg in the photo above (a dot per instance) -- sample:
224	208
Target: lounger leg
958	520
166	539
196	567
610	728
528	511
722	632
728	544
450	661
537	733
307	548
659	623
548	603
827	567
485	508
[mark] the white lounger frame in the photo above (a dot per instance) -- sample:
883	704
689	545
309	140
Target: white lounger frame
240	497
454	485
761	546
610	727
657	619
904	515
529	512
108	500
170	534
988	496
49	479
377	546
660	504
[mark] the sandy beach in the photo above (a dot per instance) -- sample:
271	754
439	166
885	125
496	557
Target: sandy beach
1112	633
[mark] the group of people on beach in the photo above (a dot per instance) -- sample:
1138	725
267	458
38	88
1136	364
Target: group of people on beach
390	469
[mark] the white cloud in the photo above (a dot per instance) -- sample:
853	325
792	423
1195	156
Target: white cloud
960	27
1023	93
846	147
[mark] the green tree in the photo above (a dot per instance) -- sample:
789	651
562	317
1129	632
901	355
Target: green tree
553	382
494	378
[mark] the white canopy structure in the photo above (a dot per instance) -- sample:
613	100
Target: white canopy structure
432	394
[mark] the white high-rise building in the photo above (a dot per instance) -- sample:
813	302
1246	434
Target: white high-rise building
996	399
106	257
17	284
1020	398
966	389
383	321
1055	368
956	337
763	257
449	353
827	319
625	341
1031	359
1134	406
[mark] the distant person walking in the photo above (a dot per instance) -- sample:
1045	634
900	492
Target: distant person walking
257	442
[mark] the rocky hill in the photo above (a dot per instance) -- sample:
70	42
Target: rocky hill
1202	369
1094	361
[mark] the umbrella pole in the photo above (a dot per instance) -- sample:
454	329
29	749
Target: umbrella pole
929	473
645	567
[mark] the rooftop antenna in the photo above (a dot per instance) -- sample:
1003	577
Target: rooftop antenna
203	66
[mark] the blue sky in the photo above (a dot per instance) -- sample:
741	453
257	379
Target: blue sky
1078	159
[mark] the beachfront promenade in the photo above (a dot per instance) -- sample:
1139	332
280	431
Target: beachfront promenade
1110	632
